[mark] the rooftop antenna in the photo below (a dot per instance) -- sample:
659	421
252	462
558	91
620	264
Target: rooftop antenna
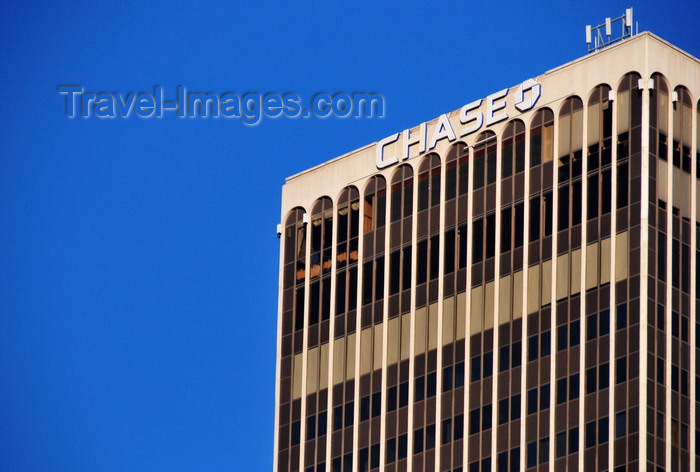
598	37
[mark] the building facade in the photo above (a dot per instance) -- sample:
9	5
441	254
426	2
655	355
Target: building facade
512	286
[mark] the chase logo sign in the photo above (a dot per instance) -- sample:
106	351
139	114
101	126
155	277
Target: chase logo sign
470	120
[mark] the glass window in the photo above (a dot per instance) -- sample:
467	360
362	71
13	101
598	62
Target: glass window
575	333
591	326
561	390
531	454
376	404
402	193
561	444
429	182
476	368
590	380
446	431
485	159
488	364
457	171
573	440
402	447
599	138
374	456
431	384
590	434
604	322
390	450
545	343
621	321
391	399
532	401
517	354
532	348
474	421
447	379
513	149
430	437
418	441
419	388
574	385
621	370
570	138
604	376
562	332
544	397
458	427
503	411
486	418
620	424
503	461
296	432
544	450
603	425
515	407
322	420
541	137
504	358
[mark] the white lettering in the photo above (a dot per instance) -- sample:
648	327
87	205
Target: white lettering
470	117
409	140
492	107
443	130
476	118
381	161
535	89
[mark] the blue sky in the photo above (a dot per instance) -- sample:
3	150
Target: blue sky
139	259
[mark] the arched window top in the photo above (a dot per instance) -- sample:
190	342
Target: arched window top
514	127
456	151
403	172
457	170
542	137
629	116
660	82
684	96
321	236
543	116
294	216
484	137
485	159
349	193
375	184
629	81
513	148
322	204
570	105
294	248
599	94
375	204
682	130
402	192
348	225
429	162
429	182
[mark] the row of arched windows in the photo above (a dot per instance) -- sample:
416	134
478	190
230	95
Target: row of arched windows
570	165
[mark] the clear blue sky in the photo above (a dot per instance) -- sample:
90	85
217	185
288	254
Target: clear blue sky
138	280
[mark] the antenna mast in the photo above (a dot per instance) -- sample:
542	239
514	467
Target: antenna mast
594	34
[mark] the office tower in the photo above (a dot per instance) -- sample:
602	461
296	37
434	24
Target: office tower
511	286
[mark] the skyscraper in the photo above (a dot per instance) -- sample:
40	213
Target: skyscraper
511	286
